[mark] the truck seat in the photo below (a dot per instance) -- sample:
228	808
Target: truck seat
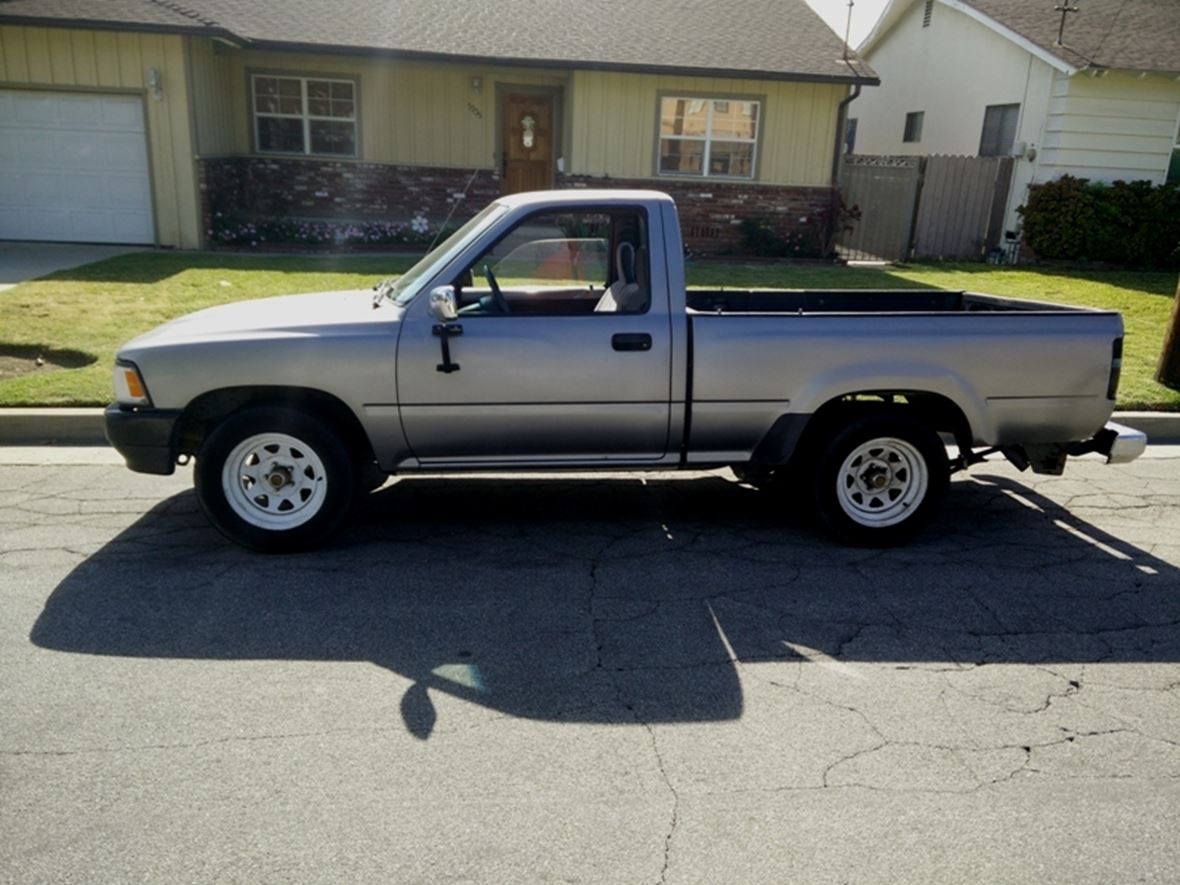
625	295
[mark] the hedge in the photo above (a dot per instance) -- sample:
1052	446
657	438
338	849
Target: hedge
1135	224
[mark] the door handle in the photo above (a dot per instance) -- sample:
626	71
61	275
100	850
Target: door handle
631	341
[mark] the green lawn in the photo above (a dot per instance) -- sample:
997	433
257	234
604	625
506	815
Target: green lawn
91	310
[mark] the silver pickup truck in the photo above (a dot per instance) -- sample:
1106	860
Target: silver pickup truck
555	330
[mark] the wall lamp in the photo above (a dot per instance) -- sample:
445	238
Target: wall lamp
155	83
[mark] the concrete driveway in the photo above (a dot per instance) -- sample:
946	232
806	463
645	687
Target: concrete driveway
20	261
648	679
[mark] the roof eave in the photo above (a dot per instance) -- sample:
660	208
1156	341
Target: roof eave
565	63
107	25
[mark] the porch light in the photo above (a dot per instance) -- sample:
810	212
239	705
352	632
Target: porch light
155	83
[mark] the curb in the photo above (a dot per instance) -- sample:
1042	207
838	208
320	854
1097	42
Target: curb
84	427
52	427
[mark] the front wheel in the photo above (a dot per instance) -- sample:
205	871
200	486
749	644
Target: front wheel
880	480
274	480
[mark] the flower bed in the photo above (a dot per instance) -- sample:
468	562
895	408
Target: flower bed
229	230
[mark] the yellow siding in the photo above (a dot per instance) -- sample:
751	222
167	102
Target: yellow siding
614	124
118	62
411	113
417	113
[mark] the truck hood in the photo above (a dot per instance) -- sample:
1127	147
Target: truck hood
321	313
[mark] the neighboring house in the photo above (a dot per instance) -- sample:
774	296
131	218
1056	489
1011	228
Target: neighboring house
989	77
138	120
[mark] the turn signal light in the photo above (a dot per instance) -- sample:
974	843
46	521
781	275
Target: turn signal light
129	387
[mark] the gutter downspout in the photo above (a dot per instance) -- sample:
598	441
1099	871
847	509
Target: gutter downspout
841	119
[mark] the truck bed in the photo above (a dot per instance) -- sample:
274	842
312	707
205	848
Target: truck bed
862	301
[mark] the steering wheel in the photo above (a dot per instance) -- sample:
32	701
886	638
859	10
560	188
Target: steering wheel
497	295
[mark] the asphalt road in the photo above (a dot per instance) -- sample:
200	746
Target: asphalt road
618	679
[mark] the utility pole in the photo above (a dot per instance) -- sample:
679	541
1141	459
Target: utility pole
1168	373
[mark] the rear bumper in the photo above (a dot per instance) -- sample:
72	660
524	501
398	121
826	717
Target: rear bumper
145	438
1119	443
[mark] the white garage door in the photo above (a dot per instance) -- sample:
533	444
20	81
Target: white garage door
73	167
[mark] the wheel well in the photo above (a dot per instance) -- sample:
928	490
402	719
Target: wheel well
938	412
210	409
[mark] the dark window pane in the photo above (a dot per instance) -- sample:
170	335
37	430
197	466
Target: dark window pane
290	105
280	134
342	90
266	86
266	104
318	89
328	137
682	157
342	108
289	86
999	130
319	107
1174	166
913	126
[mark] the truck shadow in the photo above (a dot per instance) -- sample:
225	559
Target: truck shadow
619	600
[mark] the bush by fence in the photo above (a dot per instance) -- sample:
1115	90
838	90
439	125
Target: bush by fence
1135	223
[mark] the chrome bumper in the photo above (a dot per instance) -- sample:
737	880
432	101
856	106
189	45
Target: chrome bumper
1119	443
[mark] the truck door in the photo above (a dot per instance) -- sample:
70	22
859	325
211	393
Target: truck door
564	352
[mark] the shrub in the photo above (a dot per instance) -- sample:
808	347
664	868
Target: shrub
1136	223
238	230
759	238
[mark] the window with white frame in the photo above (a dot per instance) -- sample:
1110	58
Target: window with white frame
304	115
708	136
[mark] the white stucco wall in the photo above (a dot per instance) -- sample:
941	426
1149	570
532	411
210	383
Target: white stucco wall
952	71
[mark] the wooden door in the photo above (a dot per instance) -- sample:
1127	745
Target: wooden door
528	143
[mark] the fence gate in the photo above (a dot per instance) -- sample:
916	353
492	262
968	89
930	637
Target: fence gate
961	207
938	207
885	191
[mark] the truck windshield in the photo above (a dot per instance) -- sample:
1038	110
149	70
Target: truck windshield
409	283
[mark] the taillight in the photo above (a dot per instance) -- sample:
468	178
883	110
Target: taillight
1116	368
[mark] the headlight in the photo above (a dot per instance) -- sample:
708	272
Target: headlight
129	387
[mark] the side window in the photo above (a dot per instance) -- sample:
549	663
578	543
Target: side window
562	264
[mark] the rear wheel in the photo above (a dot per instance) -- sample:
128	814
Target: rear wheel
880	480
274	480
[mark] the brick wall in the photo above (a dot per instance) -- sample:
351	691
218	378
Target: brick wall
272	187
710	213
328	190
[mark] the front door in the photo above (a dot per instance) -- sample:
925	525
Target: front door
549	369
528	143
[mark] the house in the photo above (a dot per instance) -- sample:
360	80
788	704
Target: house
149	120
1092	90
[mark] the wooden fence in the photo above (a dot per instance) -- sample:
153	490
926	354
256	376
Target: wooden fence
938	207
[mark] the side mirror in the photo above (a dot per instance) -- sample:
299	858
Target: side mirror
442	304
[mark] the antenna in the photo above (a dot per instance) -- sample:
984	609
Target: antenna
1065	9
848	29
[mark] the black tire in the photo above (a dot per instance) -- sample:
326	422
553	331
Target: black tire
880	480
292	486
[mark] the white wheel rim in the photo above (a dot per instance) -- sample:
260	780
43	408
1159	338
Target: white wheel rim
882	482
274	481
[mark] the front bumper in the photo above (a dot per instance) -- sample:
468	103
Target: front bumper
146	438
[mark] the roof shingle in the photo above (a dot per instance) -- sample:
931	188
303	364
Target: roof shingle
779	39
1138	35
